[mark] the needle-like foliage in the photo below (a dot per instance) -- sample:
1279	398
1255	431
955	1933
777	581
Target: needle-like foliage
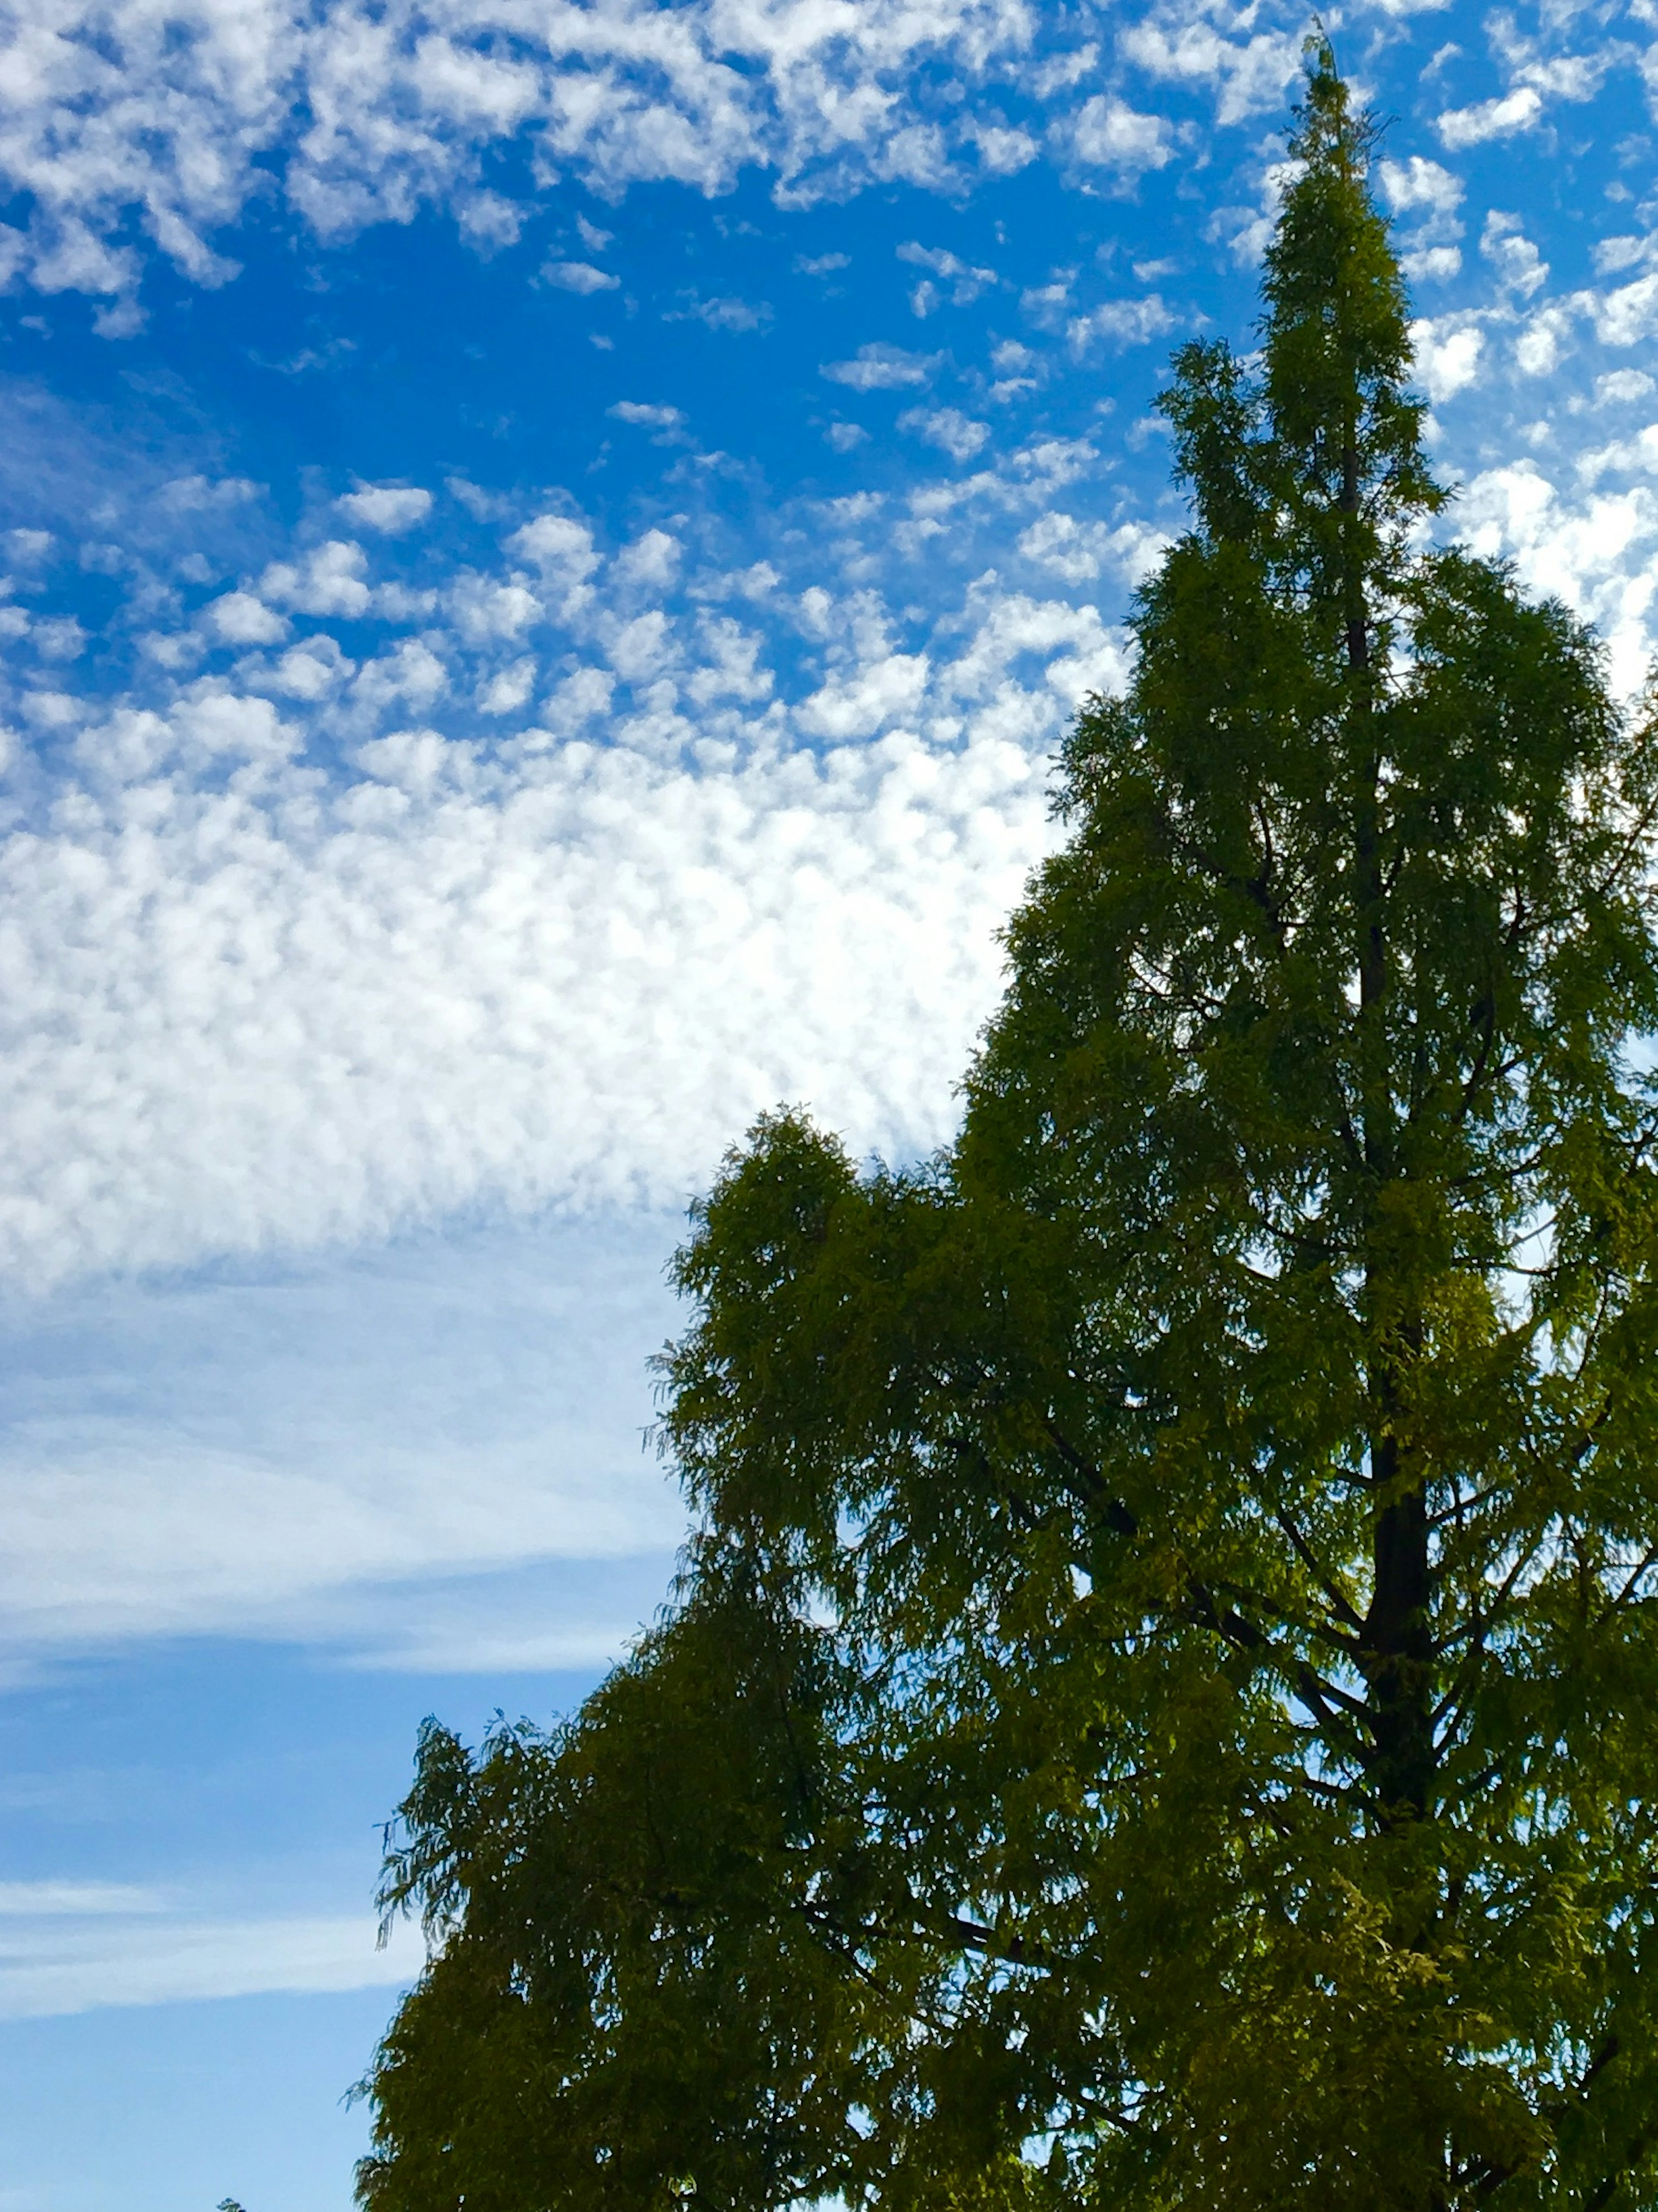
1162	1708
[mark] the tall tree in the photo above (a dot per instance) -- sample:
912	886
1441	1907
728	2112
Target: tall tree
1161	1706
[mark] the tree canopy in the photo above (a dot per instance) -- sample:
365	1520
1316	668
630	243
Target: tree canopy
1160	1706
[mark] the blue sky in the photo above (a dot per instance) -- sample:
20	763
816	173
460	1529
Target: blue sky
548	550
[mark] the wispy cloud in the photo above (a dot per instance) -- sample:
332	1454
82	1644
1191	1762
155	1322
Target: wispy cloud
56	1963
430	1453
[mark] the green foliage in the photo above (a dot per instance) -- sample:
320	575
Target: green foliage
1162	1708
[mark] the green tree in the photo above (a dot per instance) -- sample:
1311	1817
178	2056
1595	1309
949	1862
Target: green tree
1160	1708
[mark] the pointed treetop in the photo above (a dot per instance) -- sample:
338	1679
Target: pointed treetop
1329	426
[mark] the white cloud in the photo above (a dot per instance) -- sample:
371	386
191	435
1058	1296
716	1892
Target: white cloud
68	257
1122	322
362	115
868	698
297	1010
1078	654
312	669
545	1617
579	276
172	1539
1247	77
1420	188
327	581
485	610
241	619
1613	254
509	689
1045	304
1627	456
1514	111
353	115
580	990
1447	353
1431	263
1078	552
1545	338
1516	260
557	543
52	710
62	638
1621	386
966	282
198	495
650	564
720	314
389	508
214	723
409	675
1594	553
1105	132
488	222
948	428
882	367
668	421
1002	151
1248	230
1627	315
1417	184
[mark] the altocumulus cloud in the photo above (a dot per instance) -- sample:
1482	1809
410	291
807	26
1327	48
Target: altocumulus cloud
577	983
252	1000
126	132
363	114
583	858
528	879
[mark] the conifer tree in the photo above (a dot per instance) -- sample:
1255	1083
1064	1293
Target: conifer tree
1160	1707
